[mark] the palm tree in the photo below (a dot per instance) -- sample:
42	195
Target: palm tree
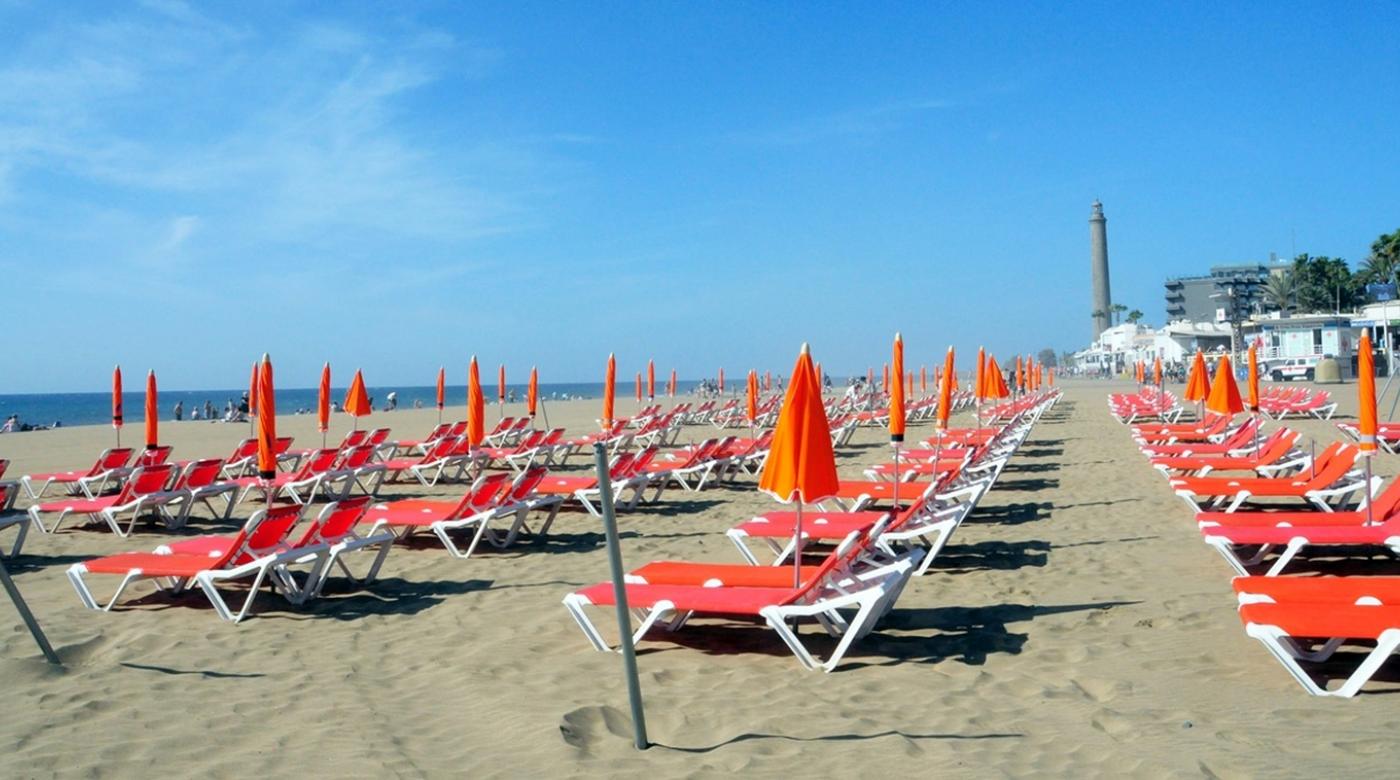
1280	290
1118	310
1134	316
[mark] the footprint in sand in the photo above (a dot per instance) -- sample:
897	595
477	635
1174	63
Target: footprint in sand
586	728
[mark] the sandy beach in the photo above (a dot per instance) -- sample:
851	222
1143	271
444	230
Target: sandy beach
1075	626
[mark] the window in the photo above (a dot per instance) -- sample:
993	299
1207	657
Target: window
1317	339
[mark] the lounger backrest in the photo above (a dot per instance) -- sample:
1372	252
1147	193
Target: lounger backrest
524	485
245	449
501	425
1388	502
621	466
201	473
356	457
531	440
113	458
439	449
378	436
353	439
154	456
263	536
320	462
151	479
458	428
487	493
336	521
555	436
1340	462
4	464
438	432
642	460
281	445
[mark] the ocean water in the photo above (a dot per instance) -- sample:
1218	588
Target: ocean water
96	408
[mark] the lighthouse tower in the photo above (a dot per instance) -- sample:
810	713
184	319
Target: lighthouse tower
1098	261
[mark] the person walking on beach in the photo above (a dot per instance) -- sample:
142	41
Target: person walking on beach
208	409
179	411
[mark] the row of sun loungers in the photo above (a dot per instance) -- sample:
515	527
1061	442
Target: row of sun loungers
870	548
1284	502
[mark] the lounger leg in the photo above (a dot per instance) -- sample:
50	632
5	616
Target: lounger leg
575	604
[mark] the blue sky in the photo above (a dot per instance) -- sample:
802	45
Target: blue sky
398	186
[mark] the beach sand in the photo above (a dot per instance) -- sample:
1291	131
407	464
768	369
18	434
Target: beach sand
1075	626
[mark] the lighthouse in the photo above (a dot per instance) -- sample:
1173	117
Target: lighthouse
1098	262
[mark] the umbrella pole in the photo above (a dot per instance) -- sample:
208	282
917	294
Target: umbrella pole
624	620
28	617
545	411
797	549
898	477
1367	493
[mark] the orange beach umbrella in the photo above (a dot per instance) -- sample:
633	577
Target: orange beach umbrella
117	420
923	380
639	387
1368	428
1253	380
1157	371
996	383
945	391
896	375
672	387
323	403
980	390
501	384
152	413
267	424
532	392
253	391
441	387
801	467
476	406
721	380
1197	384
1224	395
751	412
651	380
610	388
356	399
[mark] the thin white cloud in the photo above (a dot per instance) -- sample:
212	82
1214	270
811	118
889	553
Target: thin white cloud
862	123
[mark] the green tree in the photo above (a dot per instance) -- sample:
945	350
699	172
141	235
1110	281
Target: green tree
1280	290
1118	310
1384	261
1134	316
1324	284
1047	358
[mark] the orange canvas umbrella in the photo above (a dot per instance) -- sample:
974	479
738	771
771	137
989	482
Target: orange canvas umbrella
1017	376
751	412
721	380
1157	371
909	384
801	467
980	390
639	388
1368	427
923	380
253	391
651	380
441	390
152	413
532	392
945	391
501	389
894	383
1253	381
1224	395
673	387
267	425
476	406
1197	385
996	383
870	378
356	399
323	403
1050	378
768	381
117	420
610	388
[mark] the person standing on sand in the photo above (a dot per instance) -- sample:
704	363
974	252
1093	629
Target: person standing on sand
208	409
179	411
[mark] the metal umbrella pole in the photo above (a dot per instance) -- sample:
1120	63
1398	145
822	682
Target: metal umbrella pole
28	617
624	620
